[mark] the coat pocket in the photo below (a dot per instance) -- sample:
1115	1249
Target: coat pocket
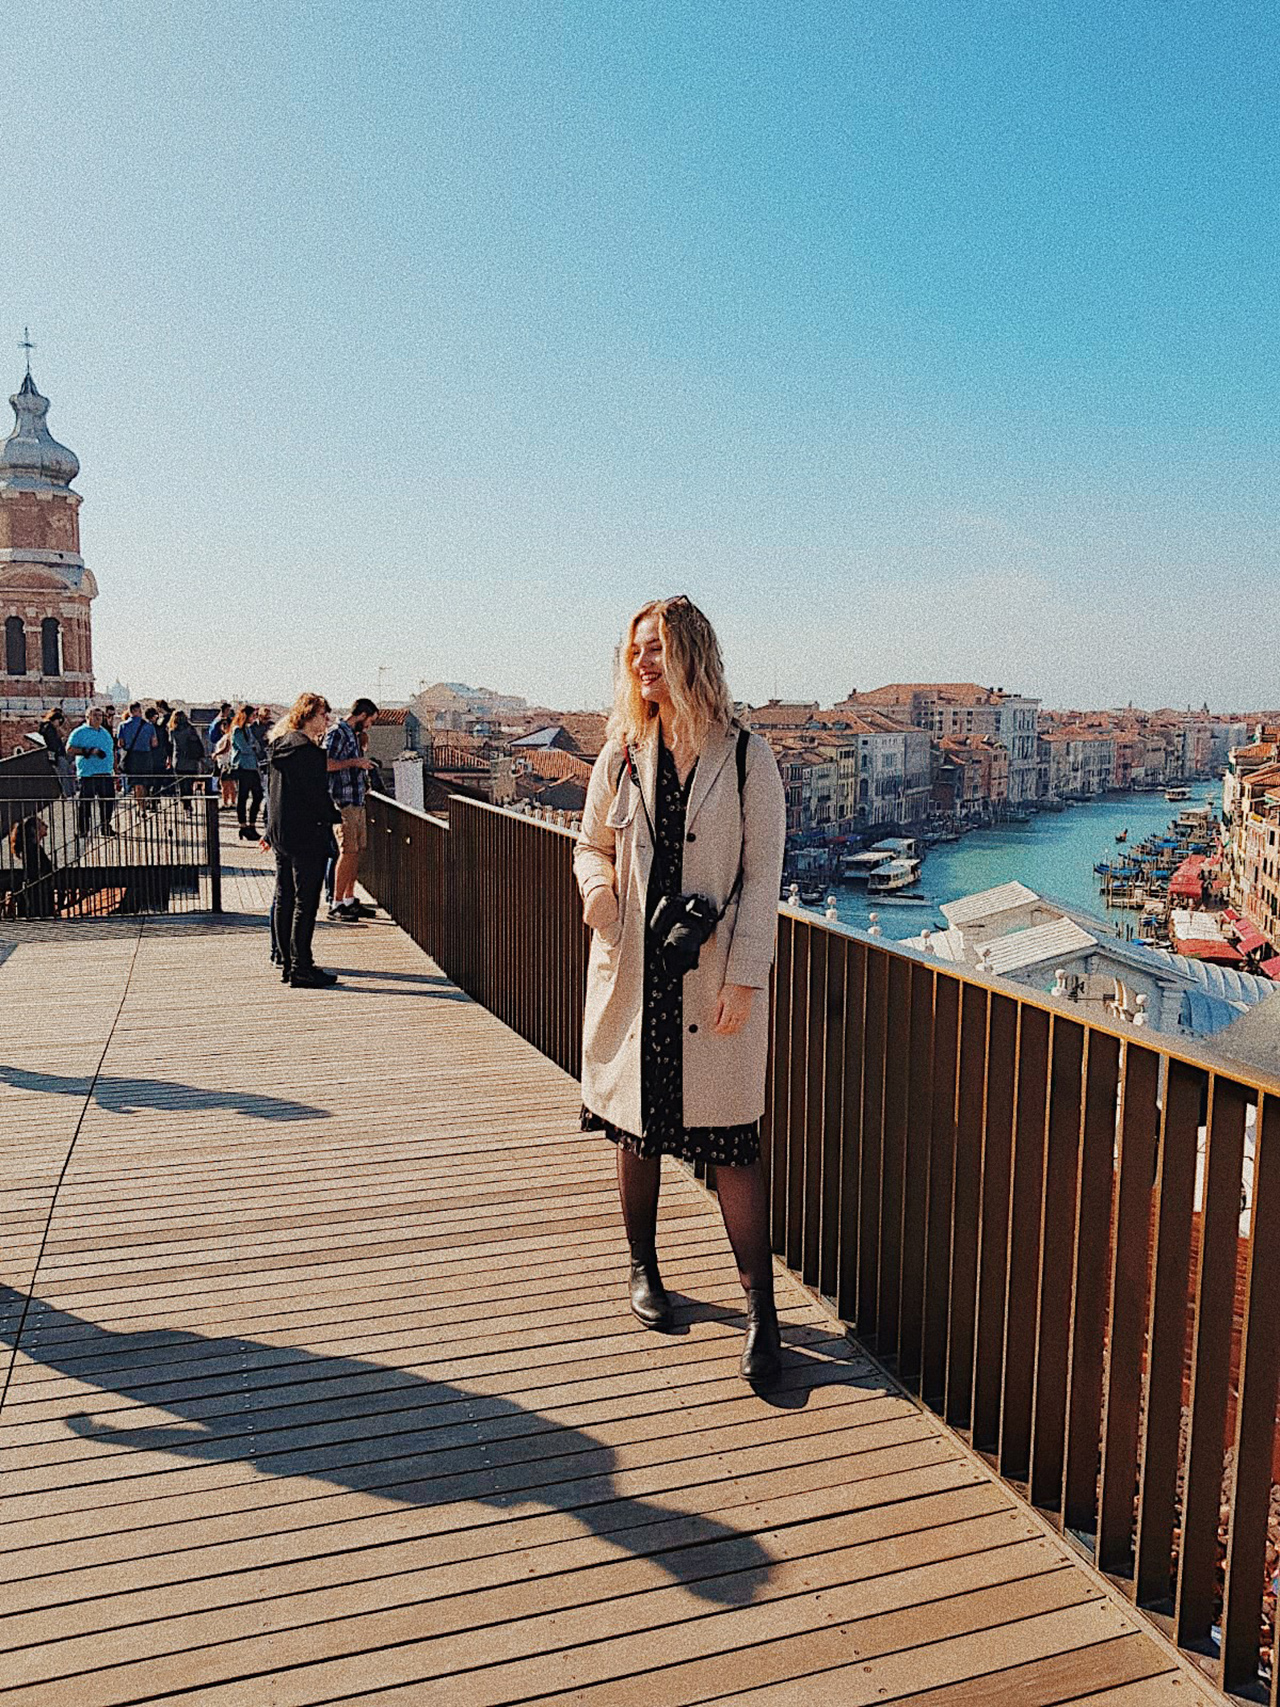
623	809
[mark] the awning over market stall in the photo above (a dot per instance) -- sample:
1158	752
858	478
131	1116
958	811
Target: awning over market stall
1186	879
1205	948
1248	937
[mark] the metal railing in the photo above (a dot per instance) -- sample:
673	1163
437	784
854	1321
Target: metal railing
1058	1234
83	856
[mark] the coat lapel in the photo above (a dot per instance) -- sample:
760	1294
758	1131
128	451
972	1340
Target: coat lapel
719	750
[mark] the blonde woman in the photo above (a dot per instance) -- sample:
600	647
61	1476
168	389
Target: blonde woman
300	820
679	863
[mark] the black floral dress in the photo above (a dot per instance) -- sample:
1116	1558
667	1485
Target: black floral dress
662	1035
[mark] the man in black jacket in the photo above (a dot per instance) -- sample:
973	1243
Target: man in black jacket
300	817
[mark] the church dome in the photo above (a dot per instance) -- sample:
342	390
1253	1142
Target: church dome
30	460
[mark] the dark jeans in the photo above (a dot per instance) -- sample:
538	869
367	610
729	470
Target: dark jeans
298	881
248	796
103	790
187	782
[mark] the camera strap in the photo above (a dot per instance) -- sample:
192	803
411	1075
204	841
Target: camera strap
741	760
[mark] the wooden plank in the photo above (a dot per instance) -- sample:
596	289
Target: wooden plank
942	1140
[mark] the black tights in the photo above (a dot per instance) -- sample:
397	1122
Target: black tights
744	1205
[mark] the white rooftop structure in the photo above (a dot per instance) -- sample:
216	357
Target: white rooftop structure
1005	898
1058	940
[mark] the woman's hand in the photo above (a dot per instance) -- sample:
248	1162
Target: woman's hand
600	909
733	1009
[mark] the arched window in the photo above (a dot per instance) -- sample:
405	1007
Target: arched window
50	647
15	647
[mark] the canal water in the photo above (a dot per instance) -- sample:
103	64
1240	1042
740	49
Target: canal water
1054	854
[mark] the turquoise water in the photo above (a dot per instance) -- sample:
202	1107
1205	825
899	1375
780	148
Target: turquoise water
1054	854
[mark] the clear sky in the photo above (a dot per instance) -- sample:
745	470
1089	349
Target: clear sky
914	341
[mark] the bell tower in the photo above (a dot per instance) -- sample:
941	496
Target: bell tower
46	652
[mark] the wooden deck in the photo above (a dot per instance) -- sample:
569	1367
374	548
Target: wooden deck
327	1390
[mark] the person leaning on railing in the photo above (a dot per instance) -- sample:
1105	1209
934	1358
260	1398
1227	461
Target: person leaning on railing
679	862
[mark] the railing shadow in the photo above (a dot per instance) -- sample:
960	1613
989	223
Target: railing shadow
470	1448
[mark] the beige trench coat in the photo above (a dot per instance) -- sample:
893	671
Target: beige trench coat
723	1076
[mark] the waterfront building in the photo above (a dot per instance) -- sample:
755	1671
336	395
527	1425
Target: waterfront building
45	588
1080	761
810	782
1252	853
972	779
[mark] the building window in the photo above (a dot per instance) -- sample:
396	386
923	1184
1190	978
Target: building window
50	647
15	647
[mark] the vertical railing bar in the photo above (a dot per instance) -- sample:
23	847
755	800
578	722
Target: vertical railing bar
1057	1229
1254	1440
833	1114
915	1195
799	1077
851	1130
815	1114
942	1143
782	1069
897	1065
1127	1313
1166	1335
966	1200
1194	1607
870	1153
1082	1449
993	1221
1031	1120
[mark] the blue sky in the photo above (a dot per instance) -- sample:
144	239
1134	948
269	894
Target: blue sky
925	341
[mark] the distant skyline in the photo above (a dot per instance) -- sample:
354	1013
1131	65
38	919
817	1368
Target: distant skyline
913	342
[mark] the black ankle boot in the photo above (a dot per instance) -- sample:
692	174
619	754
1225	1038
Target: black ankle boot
762	1349
649	1301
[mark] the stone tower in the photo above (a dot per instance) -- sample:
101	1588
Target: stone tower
46	652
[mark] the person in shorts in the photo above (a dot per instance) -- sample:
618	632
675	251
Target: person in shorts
348	783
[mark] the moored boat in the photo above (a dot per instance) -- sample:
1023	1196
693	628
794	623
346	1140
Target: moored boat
894	874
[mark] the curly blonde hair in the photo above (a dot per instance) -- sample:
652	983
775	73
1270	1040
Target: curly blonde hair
303	709
694	669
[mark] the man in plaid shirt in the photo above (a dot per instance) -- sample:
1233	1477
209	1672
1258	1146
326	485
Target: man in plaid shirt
348	781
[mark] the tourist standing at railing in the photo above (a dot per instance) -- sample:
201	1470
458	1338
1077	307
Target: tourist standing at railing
137	751
93	748
157	716
53	730
244	752
300	815
679	862
348	783
188	755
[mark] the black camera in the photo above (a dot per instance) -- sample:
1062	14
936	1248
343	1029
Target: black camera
681	924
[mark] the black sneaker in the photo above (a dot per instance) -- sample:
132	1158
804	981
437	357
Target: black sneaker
344	916
364	910
314	978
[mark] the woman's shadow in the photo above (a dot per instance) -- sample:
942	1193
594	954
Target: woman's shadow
228	1395
130	1096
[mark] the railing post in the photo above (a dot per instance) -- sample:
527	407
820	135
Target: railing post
213	852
